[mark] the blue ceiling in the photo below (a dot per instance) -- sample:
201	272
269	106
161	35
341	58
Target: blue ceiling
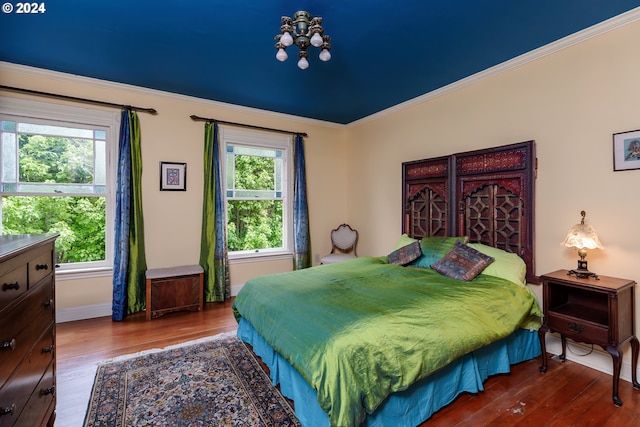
383	52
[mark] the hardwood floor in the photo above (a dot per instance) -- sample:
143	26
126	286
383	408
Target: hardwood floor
82	344
569	394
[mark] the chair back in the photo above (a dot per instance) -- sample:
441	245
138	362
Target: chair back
344	238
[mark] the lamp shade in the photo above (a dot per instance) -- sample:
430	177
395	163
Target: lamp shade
582	236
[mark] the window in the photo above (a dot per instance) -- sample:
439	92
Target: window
56	176
257	193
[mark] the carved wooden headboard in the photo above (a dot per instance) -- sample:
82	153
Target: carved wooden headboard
488	195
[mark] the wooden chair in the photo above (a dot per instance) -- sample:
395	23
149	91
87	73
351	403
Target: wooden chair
344	240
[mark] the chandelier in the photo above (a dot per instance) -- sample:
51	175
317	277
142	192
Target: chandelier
303	31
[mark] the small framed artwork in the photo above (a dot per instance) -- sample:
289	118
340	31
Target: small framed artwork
626	150
173	176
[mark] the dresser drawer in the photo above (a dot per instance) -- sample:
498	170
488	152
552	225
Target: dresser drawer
27	377
41	403
12	285
40	265
578	329
22	324
33	408
27	330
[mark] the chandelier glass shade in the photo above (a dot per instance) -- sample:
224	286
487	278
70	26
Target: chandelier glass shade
303	31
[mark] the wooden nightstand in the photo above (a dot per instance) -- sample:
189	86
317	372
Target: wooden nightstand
594	312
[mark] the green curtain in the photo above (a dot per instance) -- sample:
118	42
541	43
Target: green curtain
213	241
137	258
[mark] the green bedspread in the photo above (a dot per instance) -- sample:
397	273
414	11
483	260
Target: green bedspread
362	329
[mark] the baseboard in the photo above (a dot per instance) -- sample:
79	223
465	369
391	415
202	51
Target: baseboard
235	289
82	312
100	310
598	359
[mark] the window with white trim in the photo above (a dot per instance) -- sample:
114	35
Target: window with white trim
57	176
257	189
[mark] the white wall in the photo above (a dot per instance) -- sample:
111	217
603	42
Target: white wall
172	219
570	102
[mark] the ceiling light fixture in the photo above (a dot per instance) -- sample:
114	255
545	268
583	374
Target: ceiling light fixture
303	31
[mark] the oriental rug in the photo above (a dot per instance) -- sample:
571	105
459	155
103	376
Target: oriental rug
217	382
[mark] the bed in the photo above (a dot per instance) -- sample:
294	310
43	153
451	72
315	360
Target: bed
389	340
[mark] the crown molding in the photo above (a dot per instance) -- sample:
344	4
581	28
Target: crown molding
566	42
104	84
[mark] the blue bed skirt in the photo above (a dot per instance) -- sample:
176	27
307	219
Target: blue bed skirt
410	407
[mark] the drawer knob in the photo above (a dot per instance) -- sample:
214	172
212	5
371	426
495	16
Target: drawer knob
576	327
9	345
48	349
7	410
49	390
11	286
42	267
48	303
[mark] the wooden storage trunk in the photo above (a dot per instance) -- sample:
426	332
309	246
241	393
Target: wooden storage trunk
174	289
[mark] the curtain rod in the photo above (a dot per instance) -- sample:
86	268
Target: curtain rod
84	100
204	119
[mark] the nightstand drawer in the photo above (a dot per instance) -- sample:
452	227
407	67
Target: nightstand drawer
578	329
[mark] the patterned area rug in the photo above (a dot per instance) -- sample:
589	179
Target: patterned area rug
218	382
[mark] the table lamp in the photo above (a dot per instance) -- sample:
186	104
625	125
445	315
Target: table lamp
582	236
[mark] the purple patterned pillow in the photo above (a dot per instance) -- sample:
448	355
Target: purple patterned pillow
462	262
405	254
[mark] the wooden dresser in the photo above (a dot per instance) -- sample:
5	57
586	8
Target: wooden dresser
27	330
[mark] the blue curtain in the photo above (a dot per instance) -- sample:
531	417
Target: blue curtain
301	237
129	264
214	257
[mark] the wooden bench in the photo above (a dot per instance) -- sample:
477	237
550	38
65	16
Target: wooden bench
174	289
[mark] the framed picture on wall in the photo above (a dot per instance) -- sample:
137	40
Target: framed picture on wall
626	150
173	176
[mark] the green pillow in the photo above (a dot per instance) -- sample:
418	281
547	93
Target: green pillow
404	241
433	249
506	265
